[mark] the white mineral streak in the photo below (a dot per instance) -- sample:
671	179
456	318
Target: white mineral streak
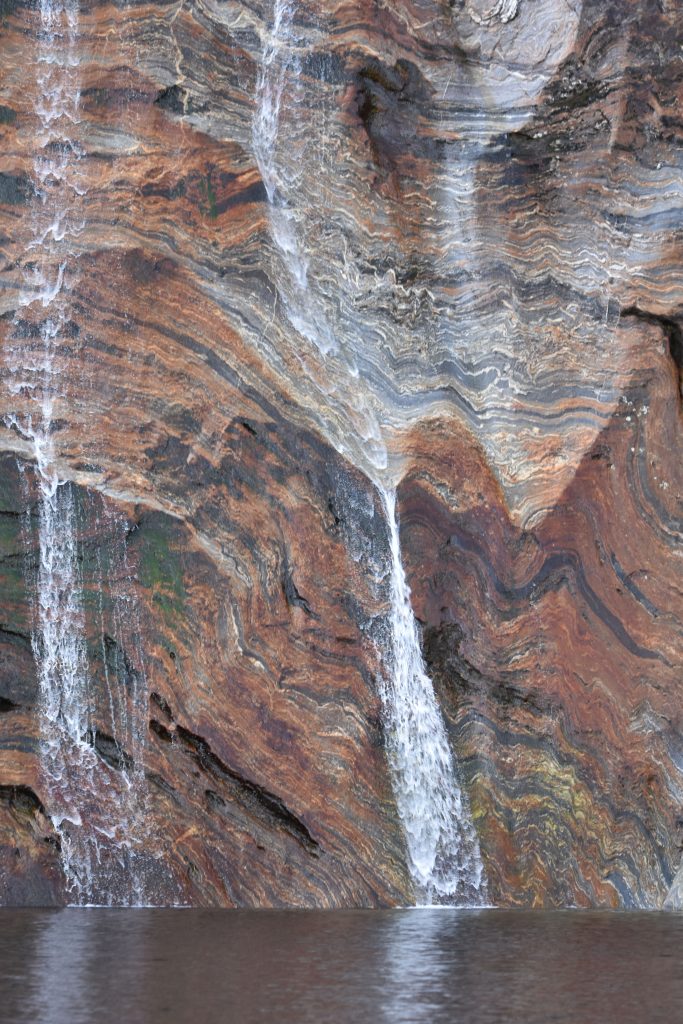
501	10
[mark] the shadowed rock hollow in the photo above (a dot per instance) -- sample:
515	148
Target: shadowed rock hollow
308	249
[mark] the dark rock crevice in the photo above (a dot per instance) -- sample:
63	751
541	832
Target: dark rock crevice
292	595
672	330
22	799
448	668
174	99
388	102
253	797
110	750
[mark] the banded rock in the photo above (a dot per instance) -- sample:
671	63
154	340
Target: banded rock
478	298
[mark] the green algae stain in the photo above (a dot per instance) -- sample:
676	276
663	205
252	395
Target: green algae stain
12	499
208	202
160	568
10	536
13	560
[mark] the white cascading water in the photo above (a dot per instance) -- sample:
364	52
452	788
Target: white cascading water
278	64
443	848
96	808
58	633
278	80
276	126
442	843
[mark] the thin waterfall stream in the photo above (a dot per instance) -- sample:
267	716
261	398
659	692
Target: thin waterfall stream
442	845
276	87
443	848
96	807
58	635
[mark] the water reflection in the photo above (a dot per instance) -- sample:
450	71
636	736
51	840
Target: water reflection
417	973
206	967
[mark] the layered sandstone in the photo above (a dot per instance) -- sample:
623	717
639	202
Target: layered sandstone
487	201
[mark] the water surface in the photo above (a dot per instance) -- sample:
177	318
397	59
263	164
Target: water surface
204	966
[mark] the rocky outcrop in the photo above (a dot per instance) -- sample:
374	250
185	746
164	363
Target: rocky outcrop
450	260
30	871
555	651
265	780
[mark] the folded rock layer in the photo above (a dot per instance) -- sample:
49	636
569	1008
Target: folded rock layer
308	249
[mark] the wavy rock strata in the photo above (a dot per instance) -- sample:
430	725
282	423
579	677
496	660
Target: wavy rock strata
479	300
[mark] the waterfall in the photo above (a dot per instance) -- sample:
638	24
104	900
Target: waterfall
277	89
443	848
58	635
278	64
442	845
96	807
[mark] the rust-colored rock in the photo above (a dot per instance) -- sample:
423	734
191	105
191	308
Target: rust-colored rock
555	650
450	262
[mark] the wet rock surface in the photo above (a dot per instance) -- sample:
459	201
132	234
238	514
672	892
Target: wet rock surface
484	201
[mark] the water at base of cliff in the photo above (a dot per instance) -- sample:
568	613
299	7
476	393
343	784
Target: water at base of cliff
338	967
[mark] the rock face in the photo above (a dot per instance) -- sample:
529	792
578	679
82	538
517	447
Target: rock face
304	249
674	899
